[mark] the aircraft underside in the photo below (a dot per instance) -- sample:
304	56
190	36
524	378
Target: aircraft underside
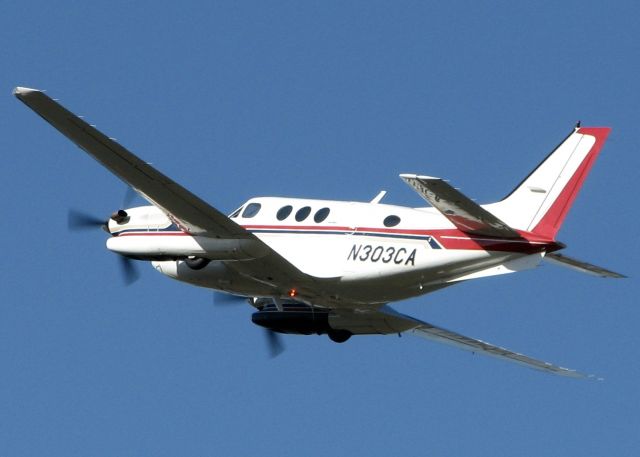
348	291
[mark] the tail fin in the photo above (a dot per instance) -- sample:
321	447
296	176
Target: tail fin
541	202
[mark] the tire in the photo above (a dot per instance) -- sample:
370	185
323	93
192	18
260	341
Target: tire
197	263
339	336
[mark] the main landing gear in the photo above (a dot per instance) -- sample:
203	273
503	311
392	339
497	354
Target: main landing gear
339	336
197	263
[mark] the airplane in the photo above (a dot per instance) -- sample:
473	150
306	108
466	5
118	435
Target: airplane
332	267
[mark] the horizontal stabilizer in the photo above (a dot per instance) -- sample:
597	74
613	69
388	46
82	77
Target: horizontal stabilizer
582	267
463	212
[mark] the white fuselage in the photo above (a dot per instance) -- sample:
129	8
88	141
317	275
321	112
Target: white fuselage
366	253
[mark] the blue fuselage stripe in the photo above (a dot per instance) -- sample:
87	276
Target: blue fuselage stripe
397	236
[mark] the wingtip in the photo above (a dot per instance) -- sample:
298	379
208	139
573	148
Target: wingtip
414	176
578	375
18	91
593	377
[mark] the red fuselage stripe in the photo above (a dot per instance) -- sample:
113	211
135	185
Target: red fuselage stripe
448	238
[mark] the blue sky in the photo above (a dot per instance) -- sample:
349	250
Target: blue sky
319	100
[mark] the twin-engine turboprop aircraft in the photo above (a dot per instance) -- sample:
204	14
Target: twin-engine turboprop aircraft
331	267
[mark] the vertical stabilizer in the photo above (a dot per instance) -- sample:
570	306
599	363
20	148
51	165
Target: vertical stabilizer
541	202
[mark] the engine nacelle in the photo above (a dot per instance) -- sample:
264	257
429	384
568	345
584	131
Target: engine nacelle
297	319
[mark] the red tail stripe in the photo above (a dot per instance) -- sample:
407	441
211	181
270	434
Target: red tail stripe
550	224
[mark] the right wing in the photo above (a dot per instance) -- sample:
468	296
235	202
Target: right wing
194	214
189	211
441	335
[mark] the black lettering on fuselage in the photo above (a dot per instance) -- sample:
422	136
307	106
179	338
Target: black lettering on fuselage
354	252
398	259
366	252
411	258
389	254
377	253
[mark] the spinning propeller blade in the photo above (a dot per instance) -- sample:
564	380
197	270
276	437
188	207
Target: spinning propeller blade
78	220
129	196
130	273
274	343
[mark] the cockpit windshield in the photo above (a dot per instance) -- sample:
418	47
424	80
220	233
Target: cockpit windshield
251	210
236	213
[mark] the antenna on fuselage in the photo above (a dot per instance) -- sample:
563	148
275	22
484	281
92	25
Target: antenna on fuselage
378	197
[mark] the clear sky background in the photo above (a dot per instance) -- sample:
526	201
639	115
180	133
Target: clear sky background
319	100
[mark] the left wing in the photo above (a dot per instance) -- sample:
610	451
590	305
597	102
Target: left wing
189	211
463	212
388	320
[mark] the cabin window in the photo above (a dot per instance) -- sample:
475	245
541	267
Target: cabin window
321	215
284	212
302	213
251	210
391	221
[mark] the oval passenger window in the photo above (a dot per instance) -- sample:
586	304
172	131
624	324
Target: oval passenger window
284	212
251	210
391	221
302	213
321	215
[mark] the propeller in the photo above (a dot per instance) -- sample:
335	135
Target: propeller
274	343
79	220
130	273
129	196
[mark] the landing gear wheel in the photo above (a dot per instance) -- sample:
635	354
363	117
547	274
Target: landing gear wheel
339	336
197	263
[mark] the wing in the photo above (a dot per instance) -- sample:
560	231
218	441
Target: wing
583	267
441	335
463	212
195	215
191	212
